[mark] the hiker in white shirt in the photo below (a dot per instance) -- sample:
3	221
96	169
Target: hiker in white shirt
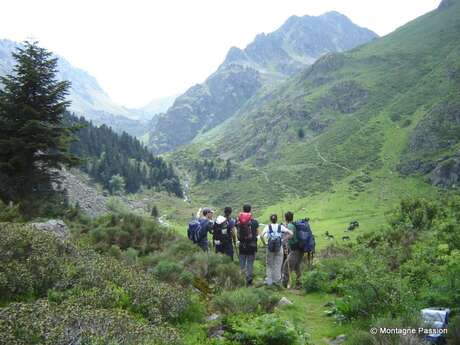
274	235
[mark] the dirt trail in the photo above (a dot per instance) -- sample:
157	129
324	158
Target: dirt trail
328	161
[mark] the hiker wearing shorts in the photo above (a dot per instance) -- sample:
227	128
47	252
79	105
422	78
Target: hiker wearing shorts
273	236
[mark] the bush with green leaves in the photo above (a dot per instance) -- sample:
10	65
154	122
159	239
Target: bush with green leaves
127	230
397	270
453	334
183	260
246	301
172	272
314	281
266	329
364	337
10	213
32	261
37	264
46	323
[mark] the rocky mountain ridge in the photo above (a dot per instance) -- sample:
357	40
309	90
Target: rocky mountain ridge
268	60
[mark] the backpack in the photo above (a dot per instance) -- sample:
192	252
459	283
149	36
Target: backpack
305	238
244	226
274	239
221	232
194	230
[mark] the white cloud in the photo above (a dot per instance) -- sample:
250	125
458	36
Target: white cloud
144	49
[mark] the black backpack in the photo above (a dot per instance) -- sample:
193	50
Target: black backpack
305	238
221	232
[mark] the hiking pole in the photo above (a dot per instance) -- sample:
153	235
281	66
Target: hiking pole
288	271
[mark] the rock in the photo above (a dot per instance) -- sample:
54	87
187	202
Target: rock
339	340
415	166
212	317
438	130
446	174
55	226
80	191
284	301
217	332
345	97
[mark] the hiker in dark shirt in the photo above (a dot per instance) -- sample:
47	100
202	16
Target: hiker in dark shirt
247	236
206	226
224	235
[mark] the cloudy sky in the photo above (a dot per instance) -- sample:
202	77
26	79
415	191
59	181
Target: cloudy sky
145	49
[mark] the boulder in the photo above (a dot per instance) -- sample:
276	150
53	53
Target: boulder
212	317
284	301
217	333
446	174
339	340
55	226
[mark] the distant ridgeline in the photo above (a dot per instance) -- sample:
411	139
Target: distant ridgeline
106	154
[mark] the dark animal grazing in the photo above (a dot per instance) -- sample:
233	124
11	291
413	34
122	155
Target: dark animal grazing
353	225
328	235
346	238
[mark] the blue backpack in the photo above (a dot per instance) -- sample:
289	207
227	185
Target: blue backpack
274	239
194	231
305	238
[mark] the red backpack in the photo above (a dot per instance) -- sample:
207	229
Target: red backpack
244	226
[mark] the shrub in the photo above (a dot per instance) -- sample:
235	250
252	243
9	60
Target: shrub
171	272
222	273
10	213
46	324
360	338
116	283
453	334
127	230
314	281
301	133
371	289
366	338
217	271
264	330
246	300
31	261
194	312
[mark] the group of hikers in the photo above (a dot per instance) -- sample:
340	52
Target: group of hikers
287	243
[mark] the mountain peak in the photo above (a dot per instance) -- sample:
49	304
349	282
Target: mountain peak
334	14
269	59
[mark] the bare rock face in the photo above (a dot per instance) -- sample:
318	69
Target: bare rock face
268	60
56	227
79	190
446	174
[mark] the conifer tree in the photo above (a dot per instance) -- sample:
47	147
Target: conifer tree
34	139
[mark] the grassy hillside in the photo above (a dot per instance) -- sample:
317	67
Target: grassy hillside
350	135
